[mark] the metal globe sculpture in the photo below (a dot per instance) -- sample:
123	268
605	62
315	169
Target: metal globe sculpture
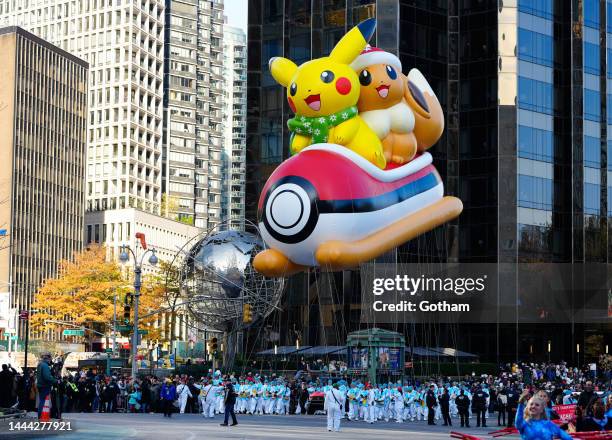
218	273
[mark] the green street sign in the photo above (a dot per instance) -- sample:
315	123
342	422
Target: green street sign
124	328
73	332
143	332
109	350
7	334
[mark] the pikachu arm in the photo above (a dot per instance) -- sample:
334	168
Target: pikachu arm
345	132
299	142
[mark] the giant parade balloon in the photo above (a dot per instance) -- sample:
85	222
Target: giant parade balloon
360	181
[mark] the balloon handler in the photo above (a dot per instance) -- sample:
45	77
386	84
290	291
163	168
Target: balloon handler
337	202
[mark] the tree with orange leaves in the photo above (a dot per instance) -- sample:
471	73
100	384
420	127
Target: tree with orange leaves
83	294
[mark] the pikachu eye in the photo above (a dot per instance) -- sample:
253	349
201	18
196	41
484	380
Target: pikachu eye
327	76
365	78
391	72
293	89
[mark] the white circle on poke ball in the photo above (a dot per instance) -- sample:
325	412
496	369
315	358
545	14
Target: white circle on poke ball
288	209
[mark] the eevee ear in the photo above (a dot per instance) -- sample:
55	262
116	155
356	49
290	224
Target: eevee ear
282	70
350	46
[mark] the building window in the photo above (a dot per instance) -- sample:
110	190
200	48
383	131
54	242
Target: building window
535	192
592	199
535	95
592	105
534	143
541	8
591	13
591	58
535	47
592	152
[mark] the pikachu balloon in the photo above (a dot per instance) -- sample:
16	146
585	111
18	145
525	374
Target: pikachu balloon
323	93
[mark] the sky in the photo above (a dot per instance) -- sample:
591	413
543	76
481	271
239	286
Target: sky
236	12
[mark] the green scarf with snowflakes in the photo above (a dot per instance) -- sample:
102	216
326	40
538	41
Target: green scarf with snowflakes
318	127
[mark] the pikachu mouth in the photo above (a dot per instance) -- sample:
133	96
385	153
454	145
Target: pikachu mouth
314	102
383	91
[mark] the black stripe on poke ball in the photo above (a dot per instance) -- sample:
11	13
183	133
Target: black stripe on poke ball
313	216
418	96
381	201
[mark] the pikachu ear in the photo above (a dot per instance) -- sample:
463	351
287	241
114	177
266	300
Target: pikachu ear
350	46
282	70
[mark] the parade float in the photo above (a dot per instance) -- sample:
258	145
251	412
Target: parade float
360	181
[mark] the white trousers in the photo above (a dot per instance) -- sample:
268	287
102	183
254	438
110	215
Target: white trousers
252	405
208	407
353	410
399	411
333	417
183	402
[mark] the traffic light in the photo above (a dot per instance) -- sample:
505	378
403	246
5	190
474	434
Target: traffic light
213	345
126	313
247	313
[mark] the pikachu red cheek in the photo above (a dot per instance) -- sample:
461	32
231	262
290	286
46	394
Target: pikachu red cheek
291	104
343	86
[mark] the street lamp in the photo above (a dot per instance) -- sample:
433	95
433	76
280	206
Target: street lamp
124	257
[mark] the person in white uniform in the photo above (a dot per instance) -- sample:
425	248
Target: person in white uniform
334	404
183	392
207	398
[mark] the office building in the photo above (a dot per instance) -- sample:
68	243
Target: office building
115	228
43	122
122	40
193	112
234	139
524	86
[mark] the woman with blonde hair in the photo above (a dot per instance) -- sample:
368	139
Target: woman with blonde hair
532	422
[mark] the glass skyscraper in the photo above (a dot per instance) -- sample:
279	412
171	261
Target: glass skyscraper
524	88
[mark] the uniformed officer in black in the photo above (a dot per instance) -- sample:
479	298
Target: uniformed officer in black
431	402
513	396
479	407
463	404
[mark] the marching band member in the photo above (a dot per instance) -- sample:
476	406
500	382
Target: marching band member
398	397
353	406
206	399
364	395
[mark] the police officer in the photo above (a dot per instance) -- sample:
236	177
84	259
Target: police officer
463	405
431	402
479	406
445	407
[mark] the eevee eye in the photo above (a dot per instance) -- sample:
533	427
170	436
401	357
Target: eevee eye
391	72
365	78
293	89
327	76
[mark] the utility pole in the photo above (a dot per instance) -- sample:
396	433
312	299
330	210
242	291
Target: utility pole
25	315
124	257
115	324
137	285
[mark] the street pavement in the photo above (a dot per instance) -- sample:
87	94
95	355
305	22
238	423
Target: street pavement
192	426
